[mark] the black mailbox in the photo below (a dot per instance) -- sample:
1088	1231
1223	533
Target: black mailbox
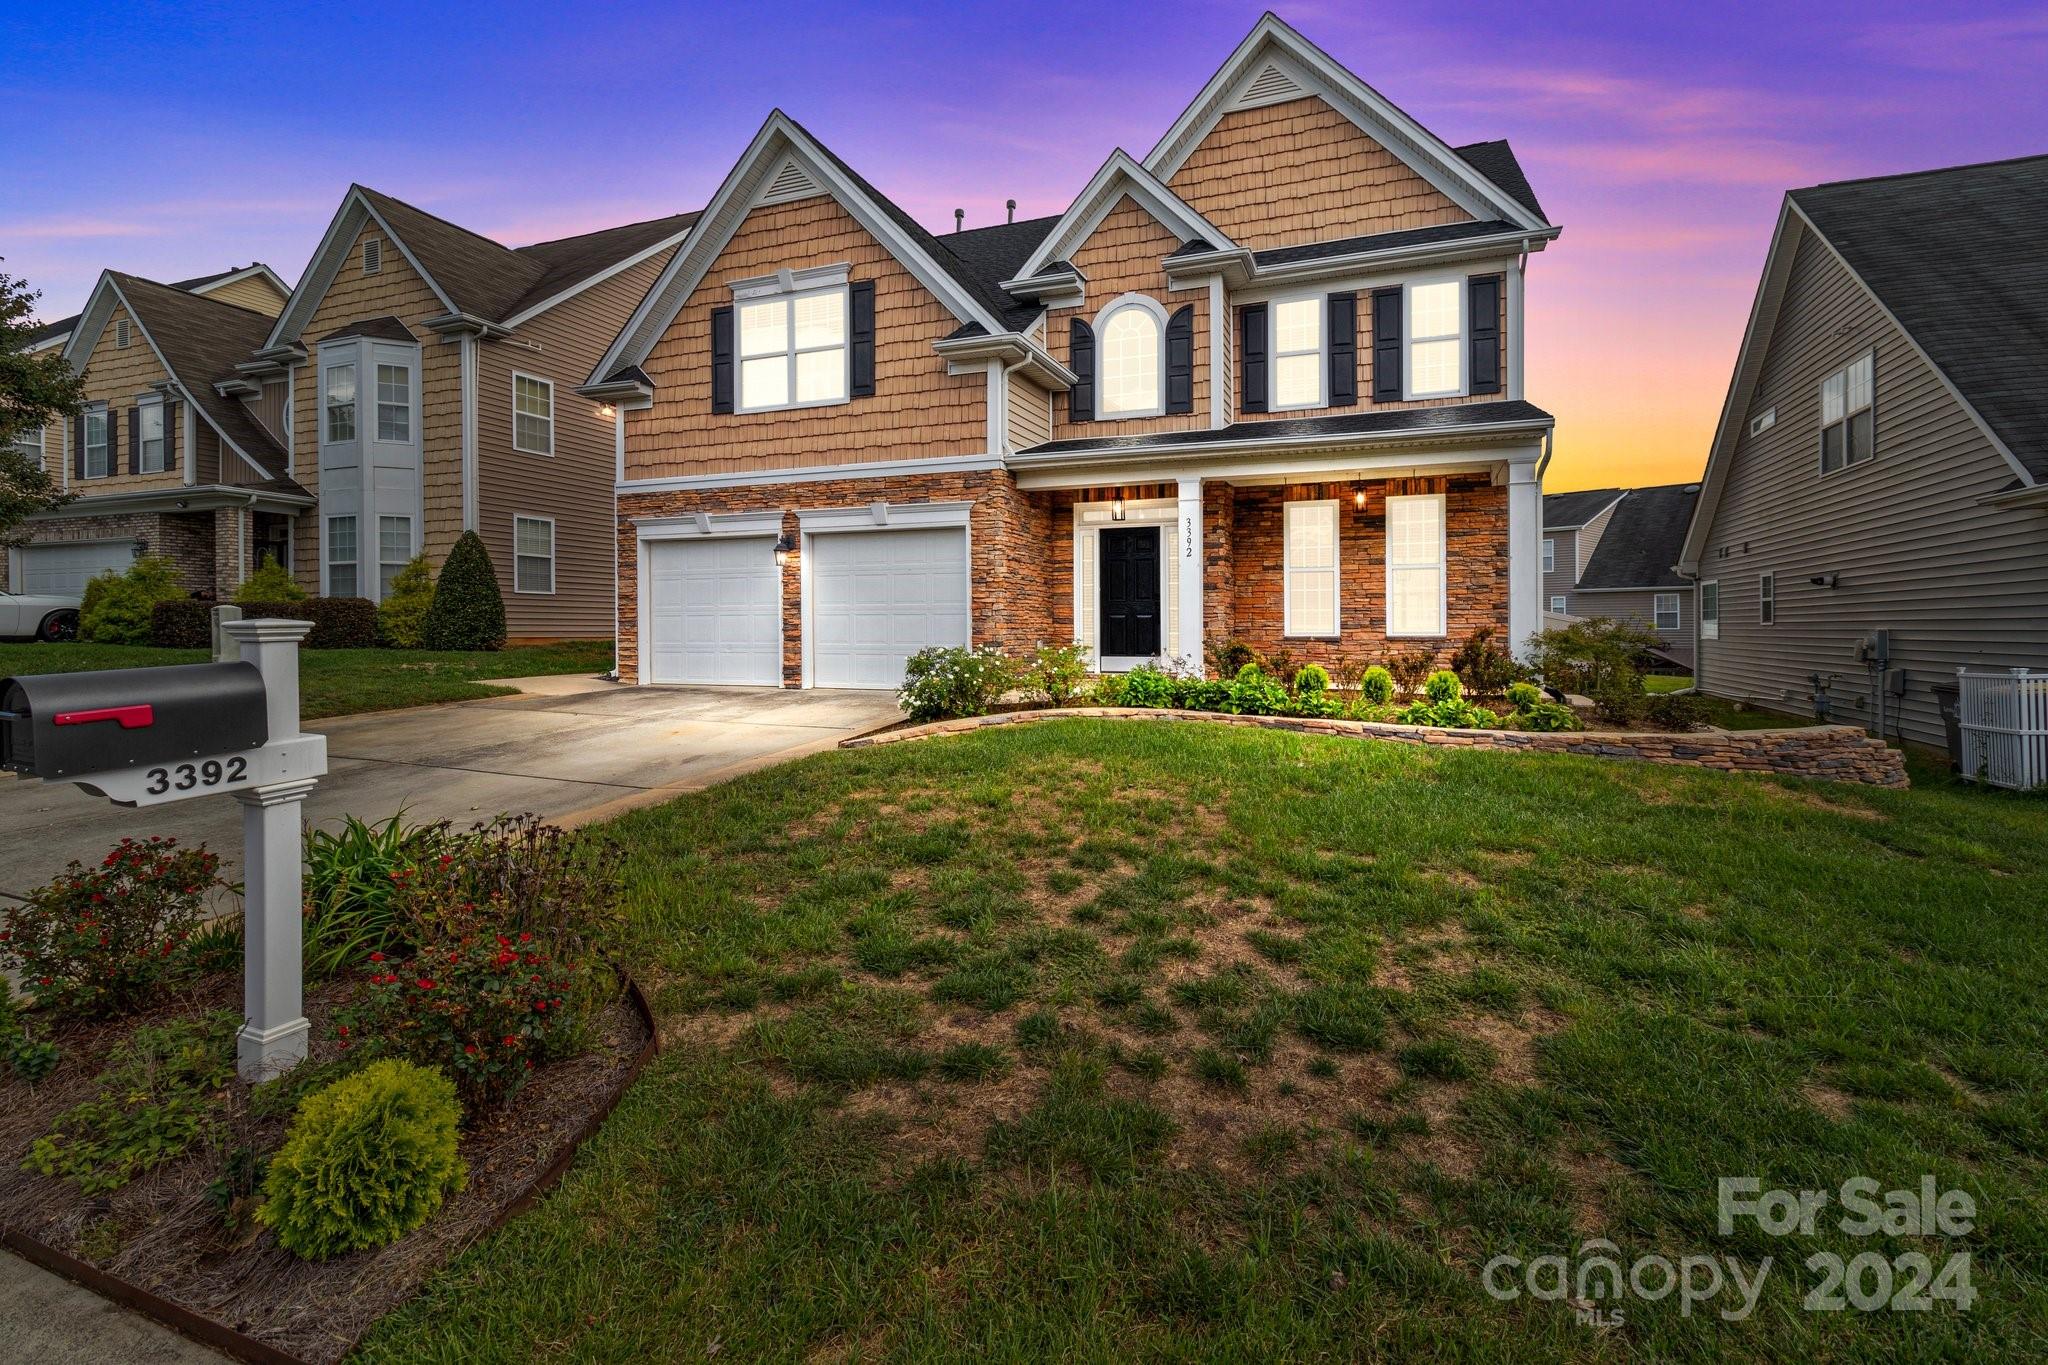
63	726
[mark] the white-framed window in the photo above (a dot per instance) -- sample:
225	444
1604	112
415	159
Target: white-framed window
340	403
96	443
1297	353
373	256
1664	610
1549	556
121	334
341	557
792	350
394	549
1710	609
1763	421
1131	361
29	443
533	554
1557	605
394	402
1435	312
533	415
1415	565
1767	599
1309	557
1848	431
151	450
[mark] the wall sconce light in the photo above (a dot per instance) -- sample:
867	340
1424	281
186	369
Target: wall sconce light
1825	580
606	411
785	550
1358	498
1116	508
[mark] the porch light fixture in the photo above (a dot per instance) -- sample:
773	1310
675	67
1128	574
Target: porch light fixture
785	548
1358	498
1116	508
606	411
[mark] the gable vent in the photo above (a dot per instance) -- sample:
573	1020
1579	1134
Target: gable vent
121	334
373	256
1270	86
790	181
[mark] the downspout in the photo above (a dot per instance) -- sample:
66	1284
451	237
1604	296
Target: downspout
1698	640
469	510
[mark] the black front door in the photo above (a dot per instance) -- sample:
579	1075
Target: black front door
1130	592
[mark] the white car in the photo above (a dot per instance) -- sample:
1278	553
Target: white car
38	616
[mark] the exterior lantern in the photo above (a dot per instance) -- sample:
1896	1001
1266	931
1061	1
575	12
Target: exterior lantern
784	549
1116	508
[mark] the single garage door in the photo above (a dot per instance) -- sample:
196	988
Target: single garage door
714	611
64	569
877	597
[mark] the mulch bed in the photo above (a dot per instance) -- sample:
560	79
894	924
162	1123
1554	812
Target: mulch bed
161	1234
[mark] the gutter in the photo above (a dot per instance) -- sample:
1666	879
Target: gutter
1015	350
2033	495
1241	267
618	392
451	325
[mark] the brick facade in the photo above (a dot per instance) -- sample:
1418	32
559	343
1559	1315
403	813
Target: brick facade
184	538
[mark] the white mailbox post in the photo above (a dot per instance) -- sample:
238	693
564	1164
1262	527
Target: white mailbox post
139	738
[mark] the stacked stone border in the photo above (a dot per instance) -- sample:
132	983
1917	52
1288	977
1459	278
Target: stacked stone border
1830	753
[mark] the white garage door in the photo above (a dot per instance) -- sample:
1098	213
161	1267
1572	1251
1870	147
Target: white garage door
713	611
64	569
877	597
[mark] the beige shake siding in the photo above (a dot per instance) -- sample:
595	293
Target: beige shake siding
117	375
1956	582
254	293
918	411
1302	172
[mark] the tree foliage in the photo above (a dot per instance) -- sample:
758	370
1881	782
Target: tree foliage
468	610
35	389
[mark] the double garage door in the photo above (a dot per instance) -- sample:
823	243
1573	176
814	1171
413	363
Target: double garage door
873	598
63	569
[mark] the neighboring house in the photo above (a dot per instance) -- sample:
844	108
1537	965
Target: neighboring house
431	374
160	460
1881	463
1264	383
1612	553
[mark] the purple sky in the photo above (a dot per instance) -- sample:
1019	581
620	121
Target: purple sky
175	140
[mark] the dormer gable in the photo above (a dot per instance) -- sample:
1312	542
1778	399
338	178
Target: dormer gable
1120	180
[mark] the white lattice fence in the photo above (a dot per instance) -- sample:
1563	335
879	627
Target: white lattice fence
2004	719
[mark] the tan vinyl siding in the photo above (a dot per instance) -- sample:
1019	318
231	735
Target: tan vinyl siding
1124	255
115	375
573	486
1559	581
1030	413
268	410
1302	172
1957	583
255	293
1639	608
917	411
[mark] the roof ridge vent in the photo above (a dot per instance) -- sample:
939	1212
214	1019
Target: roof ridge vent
1272	85
790	181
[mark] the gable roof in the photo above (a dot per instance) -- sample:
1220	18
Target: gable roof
1117	177
1569	511
1960	258
1643	538
565	261
1274	63
51	332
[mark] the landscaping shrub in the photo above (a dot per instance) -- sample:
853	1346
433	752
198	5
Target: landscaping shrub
1227	658
117	607
338	622
1312	679
514	874
1058	672
1590	656
468	612
1676	711
1484	666
1618	697
353	881
1207	694
1149	686
154	1100
104	939
402	616
271	582
1376	685
1312	692
1444	705
366	1160
1254	692
1543	715
26	1057
182	623
1282	665
1524	694
1410	667
1107	691
945	683
1443	685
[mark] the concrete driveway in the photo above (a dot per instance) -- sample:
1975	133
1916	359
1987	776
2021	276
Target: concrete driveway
582	750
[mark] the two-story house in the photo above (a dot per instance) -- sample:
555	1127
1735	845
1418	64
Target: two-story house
1613	552
1264	383
160	461
429	375
1881	463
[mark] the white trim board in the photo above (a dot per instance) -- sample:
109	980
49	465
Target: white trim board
1120	176
873	469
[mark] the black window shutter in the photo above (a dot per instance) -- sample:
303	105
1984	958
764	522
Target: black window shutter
861	328
1386	345
113	442
78	446
721	360
1482	297
1251	357
1081	360
170	436
1180	360
135	440
1343	323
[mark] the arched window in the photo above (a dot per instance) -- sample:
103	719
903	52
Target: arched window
1132	361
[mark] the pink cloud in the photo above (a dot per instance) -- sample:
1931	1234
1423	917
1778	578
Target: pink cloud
58	229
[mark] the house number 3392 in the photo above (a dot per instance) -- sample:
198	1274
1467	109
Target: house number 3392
189	776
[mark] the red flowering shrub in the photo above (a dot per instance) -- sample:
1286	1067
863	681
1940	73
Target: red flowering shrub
110	938
483	1007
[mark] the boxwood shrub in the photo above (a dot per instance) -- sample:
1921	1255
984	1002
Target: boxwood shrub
338	622
184	624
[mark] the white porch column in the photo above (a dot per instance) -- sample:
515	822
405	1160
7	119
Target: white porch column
1189	558
1525	555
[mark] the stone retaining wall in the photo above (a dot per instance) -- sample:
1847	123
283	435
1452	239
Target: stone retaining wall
1833	753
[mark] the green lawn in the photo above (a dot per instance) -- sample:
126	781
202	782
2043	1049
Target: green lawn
1100	1041
1653	683
342	682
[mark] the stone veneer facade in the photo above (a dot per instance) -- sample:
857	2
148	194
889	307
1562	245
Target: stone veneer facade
187	539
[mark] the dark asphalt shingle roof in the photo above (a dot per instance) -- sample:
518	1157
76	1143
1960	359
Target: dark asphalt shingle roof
1397	420
1383	241
1960	257
63	326
202	339
569	259
1496	161
1563	511
1643	539
386	328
